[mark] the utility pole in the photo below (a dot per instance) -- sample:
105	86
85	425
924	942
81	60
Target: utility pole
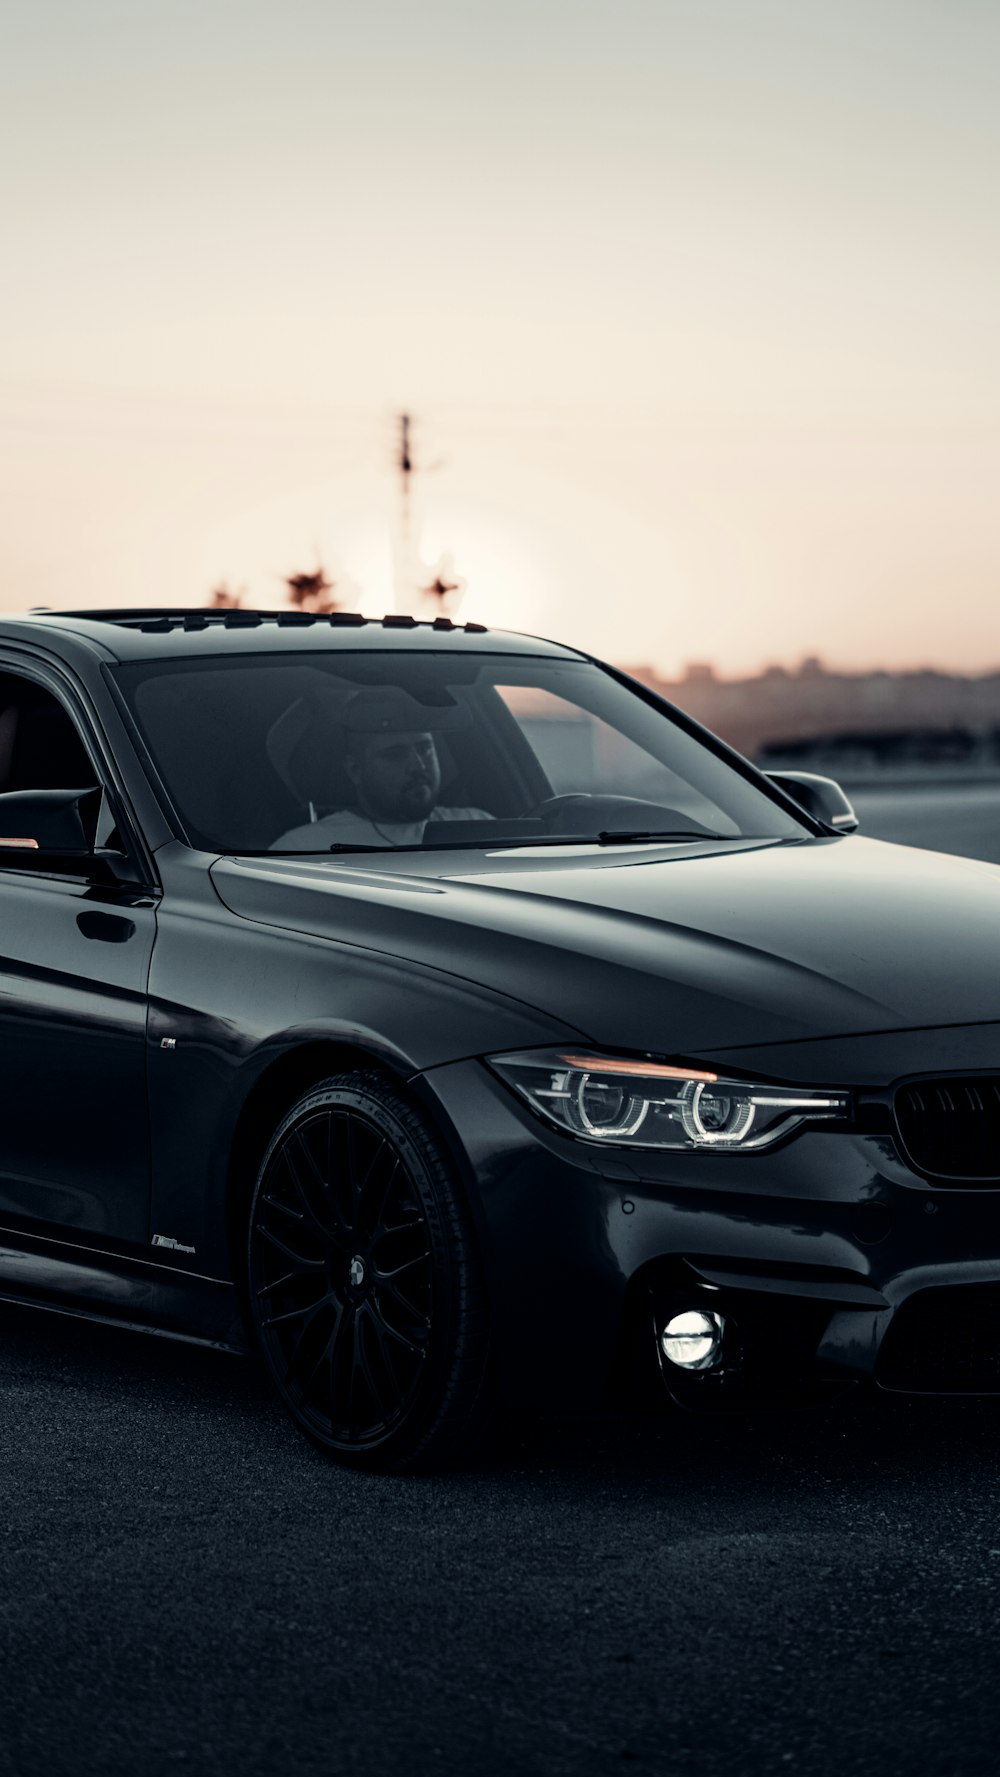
404	540
413	589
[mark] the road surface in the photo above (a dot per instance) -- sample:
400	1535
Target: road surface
962	818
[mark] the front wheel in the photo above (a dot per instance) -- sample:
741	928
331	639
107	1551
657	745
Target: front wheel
364	1284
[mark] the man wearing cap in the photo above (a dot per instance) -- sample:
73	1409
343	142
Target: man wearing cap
392	762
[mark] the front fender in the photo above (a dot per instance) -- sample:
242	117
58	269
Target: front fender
231	1000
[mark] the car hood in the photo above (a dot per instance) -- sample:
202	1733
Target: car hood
674	950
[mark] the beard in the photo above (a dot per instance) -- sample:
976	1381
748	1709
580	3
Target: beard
411	801
417	799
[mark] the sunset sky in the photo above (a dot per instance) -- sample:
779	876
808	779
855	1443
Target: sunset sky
694	303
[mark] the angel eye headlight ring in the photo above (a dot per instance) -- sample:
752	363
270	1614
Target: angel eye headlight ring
607	1108
710	1114
644	1103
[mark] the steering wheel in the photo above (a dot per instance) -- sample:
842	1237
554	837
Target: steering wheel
552	809
551	804
565	813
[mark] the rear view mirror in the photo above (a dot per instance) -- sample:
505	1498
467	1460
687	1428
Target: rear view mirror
59	821
822	797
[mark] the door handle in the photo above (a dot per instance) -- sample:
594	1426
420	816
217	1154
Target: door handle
107	928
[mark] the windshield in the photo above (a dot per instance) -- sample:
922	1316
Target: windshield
359	750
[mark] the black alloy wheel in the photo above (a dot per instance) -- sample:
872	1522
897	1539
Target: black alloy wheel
364	1286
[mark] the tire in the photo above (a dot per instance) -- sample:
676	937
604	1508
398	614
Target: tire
364	1287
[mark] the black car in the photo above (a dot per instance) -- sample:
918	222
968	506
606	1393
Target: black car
447	1014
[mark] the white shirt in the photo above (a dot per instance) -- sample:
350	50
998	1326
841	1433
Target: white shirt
347	828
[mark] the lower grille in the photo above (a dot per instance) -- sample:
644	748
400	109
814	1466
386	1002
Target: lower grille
944	1341
950	1129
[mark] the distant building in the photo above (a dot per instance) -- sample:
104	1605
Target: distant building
878	715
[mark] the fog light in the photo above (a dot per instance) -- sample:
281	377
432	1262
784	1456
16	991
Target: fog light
693	1340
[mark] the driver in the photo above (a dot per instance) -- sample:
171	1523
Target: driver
392	762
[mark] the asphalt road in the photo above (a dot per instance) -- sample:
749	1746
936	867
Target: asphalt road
186	1586
963	818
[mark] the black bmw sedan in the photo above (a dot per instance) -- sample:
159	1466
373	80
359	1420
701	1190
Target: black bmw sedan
448	1016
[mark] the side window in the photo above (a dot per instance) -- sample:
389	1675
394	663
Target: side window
40	748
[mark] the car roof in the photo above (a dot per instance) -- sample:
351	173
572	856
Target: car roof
151	633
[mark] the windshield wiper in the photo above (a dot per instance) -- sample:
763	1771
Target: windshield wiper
346	845
323	851
622	838
508	843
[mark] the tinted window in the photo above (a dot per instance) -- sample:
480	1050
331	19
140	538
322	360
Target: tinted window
40	748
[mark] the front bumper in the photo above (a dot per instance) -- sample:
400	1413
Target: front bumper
827	1252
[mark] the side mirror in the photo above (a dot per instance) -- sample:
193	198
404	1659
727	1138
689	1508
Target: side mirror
822	797
63	822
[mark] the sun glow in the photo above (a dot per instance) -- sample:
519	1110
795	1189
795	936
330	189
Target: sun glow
350	528
527	550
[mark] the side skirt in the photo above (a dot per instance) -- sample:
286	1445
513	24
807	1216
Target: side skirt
120	1290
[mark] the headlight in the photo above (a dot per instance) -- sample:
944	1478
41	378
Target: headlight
648	1104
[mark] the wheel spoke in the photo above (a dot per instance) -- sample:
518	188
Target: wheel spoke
421	1321
343	1318
326	1221
309	1308
300	1260
324	1353
304	1152
409	1227
340	1169
387	1282
354	1172
268	1289
284	1208
394	1333
375	1188
407	1265
387	1363
352	1372
364	1364
311	1341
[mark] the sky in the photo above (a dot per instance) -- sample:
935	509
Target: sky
693	303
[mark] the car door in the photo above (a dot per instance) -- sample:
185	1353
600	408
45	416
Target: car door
76	937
